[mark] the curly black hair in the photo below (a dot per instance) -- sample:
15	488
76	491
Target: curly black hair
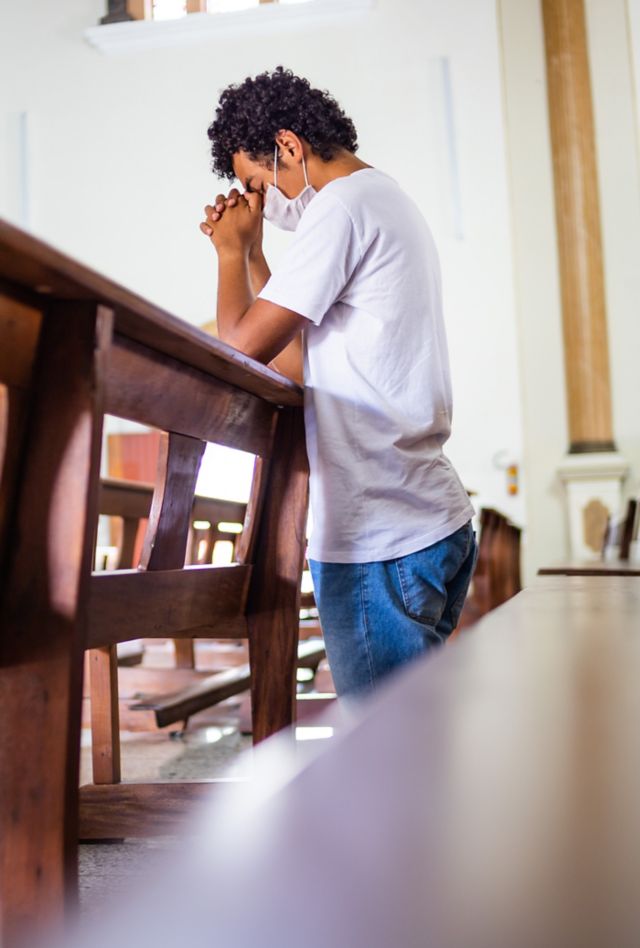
251	114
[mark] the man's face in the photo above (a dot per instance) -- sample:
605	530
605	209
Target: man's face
256	177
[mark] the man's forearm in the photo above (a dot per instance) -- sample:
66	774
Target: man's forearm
240	279
234	291
259	272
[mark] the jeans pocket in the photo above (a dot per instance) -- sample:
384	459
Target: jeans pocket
424	576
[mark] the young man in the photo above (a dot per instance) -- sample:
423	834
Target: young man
354	311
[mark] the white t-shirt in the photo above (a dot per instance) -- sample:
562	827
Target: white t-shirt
364	270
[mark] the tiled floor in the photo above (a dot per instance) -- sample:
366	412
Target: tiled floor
204	752
212	746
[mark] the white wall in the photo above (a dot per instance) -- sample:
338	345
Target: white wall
535	250
539	316
118	171
614	41
616	121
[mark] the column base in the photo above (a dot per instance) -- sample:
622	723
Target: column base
593	483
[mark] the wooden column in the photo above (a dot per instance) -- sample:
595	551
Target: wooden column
578	227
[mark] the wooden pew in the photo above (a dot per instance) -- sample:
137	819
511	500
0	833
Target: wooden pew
620	565
630	528
76	346
591	568
179	706
131	501
497	574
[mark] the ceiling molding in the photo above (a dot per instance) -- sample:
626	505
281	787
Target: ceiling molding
199	28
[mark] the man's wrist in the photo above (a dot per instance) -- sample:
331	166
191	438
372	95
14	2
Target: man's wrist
232	252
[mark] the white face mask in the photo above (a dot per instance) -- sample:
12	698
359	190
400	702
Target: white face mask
282	211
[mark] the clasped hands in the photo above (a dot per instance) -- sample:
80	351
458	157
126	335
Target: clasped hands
234	222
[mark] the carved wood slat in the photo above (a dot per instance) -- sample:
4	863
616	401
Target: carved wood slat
245	546
140	809
44	618
165	541
202	601
166	538
178	398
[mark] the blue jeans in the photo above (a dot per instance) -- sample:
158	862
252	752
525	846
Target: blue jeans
377	616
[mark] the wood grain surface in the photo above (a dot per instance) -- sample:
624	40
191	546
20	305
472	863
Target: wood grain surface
43	616
40	272
202	601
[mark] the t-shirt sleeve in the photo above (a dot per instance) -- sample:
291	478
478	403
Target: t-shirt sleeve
319	262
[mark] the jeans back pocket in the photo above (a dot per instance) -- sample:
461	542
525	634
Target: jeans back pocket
426	576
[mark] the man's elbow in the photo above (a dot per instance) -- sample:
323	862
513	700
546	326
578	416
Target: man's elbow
243	342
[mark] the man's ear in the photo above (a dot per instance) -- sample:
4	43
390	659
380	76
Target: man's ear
289	142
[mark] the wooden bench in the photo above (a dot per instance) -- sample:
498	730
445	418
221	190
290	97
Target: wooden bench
497	574
591	568
630	528
74	346
620	565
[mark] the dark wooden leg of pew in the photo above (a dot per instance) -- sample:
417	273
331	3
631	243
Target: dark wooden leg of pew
127	547
185	653
274	595
19	333
43	619
103	678
105	717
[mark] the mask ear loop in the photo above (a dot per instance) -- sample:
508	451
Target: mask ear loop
275	169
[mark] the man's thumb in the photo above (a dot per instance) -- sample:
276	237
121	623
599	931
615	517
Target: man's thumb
254	200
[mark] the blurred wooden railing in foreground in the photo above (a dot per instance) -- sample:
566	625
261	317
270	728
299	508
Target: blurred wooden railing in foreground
74	346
